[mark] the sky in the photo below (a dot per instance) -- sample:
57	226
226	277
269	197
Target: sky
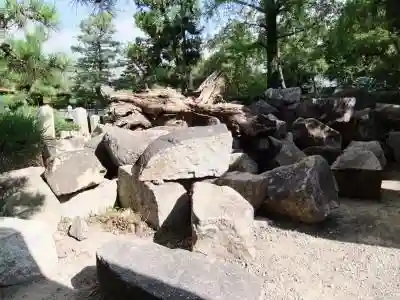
71	15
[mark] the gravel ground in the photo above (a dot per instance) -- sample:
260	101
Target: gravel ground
353	255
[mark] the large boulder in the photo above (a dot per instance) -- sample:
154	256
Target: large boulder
56	146
27	251
95	201
162	204
221	222
74	171
25	195
288	153
262	107
134	269
124	146
358	174
252	187
305	191
193	152
242	162
283	97
311	132
373	146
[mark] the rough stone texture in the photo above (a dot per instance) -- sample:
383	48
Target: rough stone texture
329	153
358	174
65	134
126	190
94	122
373	146
81	118
262	107
46	118
242	162
252	187
311	132
91	202
288	153
27	251
125	146
221	222
193	152
283	97
161	205
305	191
393	141
280	127
73	171
56	146
25	195
78	229
133	269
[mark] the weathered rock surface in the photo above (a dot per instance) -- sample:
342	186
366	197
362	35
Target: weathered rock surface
288	152
311	132
78	229
164	205
393	141
358	174
25	195
56	146
91	202
305	191
263	108
73	171
126	189
242	162
252	187
194	152
373	146
282	97
27	251
329	153
221	222
133	269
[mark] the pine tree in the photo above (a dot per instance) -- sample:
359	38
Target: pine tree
98	57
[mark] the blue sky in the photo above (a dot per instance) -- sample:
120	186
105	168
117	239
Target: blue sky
71	15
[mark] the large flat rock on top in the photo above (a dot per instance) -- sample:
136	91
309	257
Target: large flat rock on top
193	152
133	269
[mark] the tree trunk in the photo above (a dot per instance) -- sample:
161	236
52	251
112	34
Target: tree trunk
272	44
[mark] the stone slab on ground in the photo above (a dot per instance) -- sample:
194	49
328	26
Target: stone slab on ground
27	251
133	269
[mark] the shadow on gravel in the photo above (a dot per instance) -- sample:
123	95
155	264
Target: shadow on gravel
360	221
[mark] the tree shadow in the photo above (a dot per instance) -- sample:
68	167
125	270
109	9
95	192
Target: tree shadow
360	221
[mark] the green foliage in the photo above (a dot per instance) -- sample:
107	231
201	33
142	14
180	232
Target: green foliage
98	52
60	124
21	139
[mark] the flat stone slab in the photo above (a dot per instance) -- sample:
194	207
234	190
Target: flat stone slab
134	269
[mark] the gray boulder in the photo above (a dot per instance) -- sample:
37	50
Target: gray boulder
242	162
74	171
27	251
134	269
393	141
24	194
373	146
193	152
305	191
56	146
288	152
221	222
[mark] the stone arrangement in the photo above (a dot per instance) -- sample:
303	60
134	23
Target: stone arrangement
206	167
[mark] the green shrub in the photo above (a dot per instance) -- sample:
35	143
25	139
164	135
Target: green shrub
21	139
61	124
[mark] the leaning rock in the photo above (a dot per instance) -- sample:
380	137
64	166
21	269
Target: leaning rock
243	163
252	187
124	146
305	191
373	146
358	174
221	222
91	202
126	188
161	205
27	251
311	132
73	171
194	152
128	269
25	195
288	153
329	153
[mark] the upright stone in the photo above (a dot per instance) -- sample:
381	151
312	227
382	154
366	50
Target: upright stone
94	122
80	118
46	117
